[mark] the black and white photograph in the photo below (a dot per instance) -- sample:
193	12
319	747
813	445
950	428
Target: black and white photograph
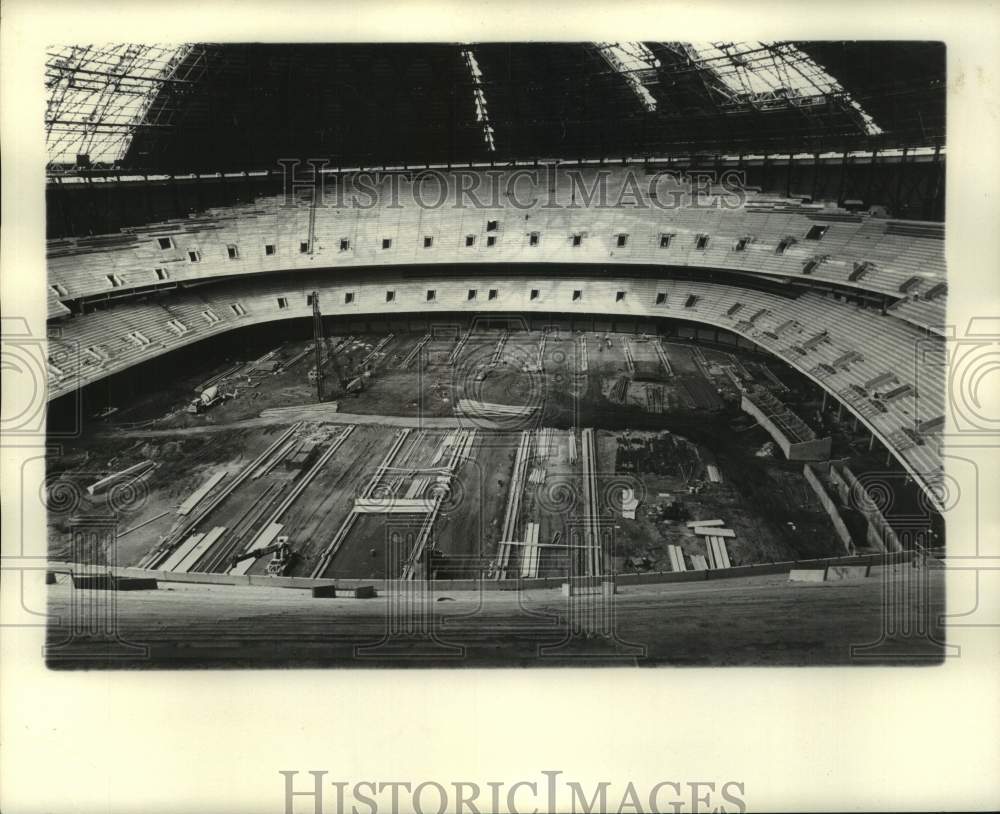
399	386
505	354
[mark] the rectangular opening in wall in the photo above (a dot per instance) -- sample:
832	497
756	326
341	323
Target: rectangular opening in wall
621	240
233	252
345	244
742	243
701	242
470	240
661	297
534	293
493	293
194	256
691	301
238	309
386	242
620	296
816	232
309	300
533	239
784	244
428	242
665	241
431	295
161	274
115	280
491	225
471	295
269	249
60	291
304	247
282	302
348	297
390	296
810	266
491	240
577	295
211	317
165	242
577	240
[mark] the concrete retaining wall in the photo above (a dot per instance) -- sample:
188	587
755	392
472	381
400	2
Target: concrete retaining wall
880	534
831	508
458	585
817	449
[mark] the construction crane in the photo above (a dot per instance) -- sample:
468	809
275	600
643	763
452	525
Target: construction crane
318	345
279	563
347	385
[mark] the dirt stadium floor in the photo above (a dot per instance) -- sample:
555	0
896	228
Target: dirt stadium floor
667	427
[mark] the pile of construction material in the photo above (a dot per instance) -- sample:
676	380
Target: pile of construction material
126	476
715	535
619	392
483	409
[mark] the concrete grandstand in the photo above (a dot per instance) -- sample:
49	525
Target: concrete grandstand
527	372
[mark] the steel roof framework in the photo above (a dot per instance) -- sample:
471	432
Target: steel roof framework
99	95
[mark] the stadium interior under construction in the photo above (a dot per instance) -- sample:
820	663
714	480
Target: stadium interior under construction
530	430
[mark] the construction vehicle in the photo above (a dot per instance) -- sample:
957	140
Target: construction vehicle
282	558
208	398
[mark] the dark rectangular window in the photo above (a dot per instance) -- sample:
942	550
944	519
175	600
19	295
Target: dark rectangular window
269	249
533	239
431	295
428	242
472	294
282	302
491	240
577	240
622	240
165	242
742	243
701	242
691	301
665	241
493	293
390	296
661	297
816	232
620	296
348	298
309	300
304	247
491	226
577	295
194	257
534	293
784	244
161	274
345	244
386	242
233	252
470	240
